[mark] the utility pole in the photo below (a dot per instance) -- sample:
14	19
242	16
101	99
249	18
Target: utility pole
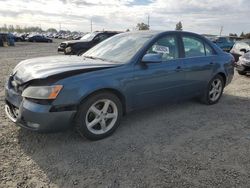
221	29
91	25
148	21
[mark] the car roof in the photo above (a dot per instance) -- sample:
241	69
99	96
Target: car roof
157	32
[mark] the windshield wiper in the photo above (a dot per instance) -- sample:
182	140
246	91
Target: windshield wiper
91	57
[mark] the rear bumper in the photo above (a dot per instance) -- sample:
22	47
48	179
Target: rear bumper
37	117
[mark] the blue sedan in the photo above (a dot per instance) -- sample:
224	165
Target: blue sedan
129	71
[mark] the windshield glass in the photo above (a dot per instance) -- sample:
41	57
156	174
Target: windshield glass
120	48
88	36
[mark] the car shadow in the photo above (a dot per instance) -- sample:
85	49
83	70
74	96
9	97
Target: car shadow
69	160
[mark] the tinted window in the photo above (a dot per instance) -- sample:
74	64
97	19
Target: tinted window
193	47
167	47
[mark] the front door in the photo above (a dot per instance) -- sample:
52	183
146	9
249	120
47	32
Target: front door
159	82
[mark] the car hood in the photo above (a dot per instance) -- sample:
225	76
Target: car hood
43	67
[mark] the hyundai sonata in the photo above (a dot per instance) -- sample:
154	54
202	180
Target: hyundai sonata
126	72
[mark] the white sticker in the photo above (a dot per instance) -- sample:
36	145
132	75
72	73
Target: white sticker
160	49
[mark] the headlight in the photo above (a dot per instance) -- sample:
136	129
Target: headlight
68	49
42	92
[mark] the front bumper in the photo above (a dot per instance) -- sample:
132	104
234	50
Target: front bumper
242	67
65	50
61	50
36	117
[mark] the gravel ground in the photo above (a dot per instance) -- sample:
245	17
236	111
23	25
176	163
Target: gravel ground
182	145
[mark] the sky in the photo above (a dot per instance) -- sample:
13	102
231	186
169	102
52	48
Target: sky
200	16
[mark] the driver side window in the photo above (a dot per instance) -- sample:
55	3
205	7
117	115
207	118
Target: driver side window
166	47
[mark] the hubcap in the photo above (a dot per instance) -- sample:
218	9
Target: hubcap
215	90
101	116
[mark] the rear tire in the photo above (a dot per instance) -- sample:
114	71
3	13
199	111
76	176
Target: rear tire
213	91
242	73
99	116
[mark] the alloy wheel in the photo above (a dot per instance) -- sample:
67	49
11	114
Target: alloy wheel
101	116
215	90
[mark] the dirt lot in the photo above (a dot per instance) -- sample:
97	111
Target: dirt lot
181	145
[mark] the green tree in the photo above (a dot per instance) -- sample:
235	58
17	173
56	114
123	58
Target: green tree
247	35
18	29
52	30
233	35
11	28
242	34
142	26
178	26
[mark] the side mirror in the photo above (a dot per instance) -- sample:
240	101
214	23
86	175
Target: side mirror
152	58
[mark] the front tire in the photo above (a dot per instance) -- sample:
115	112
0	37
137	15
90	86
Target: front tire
99	116
213	90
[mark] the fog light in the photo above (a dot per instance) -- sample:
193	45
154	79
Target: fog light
33	125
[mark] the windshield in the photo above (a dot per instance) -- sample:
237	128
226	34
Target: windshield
88	36
120	48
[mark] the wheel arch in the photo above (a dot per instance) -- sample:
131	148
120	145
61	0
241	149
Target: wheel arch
223	75
109	90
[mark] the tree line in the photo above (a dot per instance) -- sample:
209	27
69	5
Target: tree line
179	27
19	29
139	26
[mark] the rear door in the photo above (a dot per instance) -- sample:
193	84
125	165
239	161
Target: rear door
198	64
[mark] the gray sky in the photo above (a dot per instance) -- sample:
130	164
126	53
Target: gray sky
201	16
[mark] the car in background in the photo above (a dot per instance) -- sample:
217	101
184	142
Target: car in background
225	43
240	48
126	72
7	39
18	37
243	64
78	47
39	38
